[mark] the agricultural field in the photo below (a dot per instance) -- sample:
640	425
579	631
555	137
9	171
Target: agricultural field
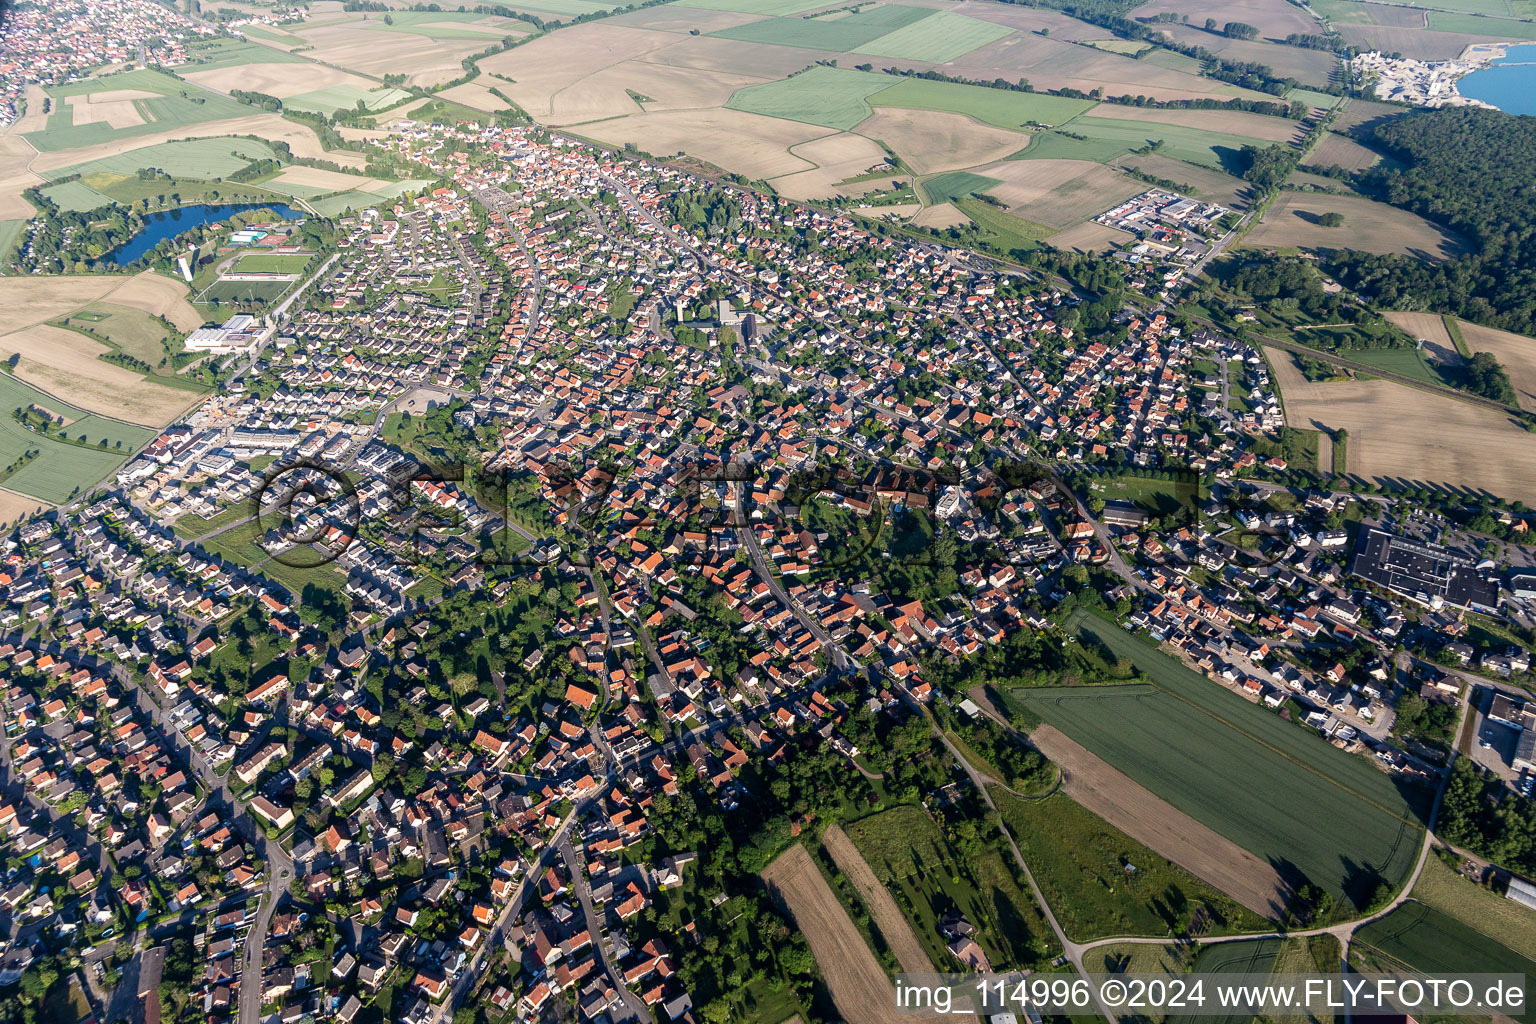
892	924
268	73
134	333
230	53
127	105
347	97
860	989
946	188
1325	815
1059	193
75	196
1515	352
1205	182
1400	433
125	153
747	143
1339	151
15	178
1500	918
1091	237
68	364
1080	861
837	158
1317	954
194	158
1209	148
910	856
1470	24
1110	794
997	107
1273	21
61	468
839	35
943	36
1416	937
831	97
773	7
1368	226
936	140
1431	329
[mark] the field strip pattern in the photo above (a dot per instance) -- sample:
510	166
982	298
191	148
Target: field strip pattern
893	924
860	988
1144	816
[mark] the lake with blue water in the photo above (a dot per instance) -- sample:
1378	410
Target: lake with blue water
170	223
1509	83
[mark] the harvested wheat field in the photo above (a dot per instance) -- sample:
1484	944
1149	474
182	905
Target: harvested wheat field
607	92
839	156
474	95
860	989
1162	828
893	924
1228	122
1368	226
15	178
1515	352
280	80
34	120
160	296
300	138
1090	237
1207	182
1275	21
1338	151
748	144
937	140
1406	435
25	301
114	108
66	364
16	507
1059	193
351	41
941	215
548	65
1430	327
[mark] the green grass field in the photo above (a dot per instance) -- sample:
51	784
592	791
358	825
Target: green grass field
178	105
1419	938
1159	497
778	7
909	854
1079	861
10	232
837	36
1409	362
130	331
346	97
1003	230
1172	60
341	202
76	196
1316	99
193	158
1124	47
954	185
256	291
1497	917
61	467
1319	812
1195	145
944	36
831	97
999	107
1441	21
271	263
228	53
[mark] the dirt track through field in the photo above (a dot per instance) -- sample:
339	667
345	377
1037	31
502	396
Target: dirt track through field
860	989
893	924
1167	831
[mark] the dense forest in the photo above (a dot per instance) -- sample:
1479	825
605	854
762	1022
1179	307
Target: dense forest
1473	170
1480	814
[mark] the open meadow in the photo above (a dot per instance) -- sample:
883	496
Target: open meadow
1292	222
127	105
1401	434
860	989
1322	815
62	467
910	856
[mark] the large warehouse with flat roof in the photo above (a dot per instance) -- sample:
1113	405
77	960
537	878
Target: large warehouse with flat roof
1423	572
